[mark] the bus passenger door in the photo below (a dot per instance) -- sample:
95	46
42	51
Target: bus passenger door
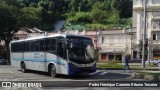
61	57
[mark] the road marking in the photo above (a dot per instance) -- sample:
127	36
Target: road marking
94	73
103	73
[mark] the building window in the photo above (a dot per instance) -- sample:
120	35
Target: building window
120	39
156	13
111	39
155	1
138	2
103	56
95	41
102	39
156	24
154	36
135	2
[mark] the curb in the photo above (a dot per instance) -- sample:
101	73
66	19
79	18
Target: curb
149	77
109	68
122	69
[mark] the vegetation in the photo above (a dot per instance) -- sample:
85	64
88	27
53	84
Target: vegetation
150	75
110	66
94	14
100	14
115	65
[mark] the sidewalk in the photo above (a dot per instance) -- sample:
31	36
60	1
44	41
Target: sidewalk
133	66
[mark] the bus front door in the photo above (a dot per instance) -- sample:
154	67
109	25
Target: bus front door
61	58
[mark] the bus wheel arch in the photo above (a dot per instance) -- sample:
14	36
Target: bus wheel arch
52	70
23	66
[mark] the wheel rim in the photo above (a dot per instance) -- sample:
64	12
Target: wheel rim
22	67
53	71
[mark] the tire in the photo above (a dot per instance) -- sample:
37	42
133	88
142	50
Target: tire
53	71
23	67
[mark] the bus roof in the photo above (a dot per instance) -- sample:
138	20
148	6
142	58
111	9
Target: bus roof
41	37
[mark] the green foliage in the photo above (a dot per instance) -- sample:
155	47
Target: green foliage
124	7
80	17
101	13
110	65
114	61
95	14
113	17
30	17
43	13
76	26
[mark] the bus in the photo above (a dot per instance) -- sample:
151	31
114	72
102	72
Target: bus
56	54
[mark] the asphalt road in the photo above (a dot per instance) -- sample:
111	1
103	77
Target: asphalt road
9	73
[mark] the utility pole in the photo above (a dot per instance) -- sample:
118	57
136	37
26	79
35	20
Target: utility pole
144	34
131	44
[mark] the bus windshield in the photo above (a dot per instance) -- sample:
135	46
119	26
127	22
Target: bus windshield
81	49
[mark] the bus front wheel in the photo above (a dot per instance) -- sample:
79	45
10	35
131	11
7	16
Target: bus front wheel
53	71
23	67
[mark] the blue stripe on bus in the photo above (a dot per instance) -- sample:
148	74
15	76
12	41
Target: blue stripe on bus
34	60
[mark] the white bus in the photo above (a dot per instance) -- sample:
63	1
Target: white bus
56	54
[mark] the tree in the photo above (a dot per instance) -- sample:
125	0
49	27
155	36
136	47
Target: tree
124	7
8	24
12	18
30	17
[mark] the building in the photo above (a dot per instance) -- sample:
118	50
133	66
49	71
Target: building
152	27
114	44
24	33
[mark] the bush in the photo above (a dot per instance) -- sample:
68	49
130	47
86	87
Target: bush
114	61
80	17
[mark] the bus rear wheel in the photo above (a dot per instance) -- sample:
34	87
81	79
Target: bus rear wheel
53	71
23	67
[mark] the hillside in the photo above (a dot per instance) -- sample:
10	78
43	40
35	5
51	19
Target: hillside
81	14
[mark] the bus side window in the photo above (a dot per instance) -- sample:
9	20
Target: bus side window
13	49
31	46
24	46
60	49
47	44
42	45
21	46
17	47
64	51
37	46
52	44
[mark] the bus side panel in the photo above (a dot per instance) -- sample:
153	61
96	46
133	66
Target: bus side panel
16	58
60	64
51	59
28	58
39	61
64	67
